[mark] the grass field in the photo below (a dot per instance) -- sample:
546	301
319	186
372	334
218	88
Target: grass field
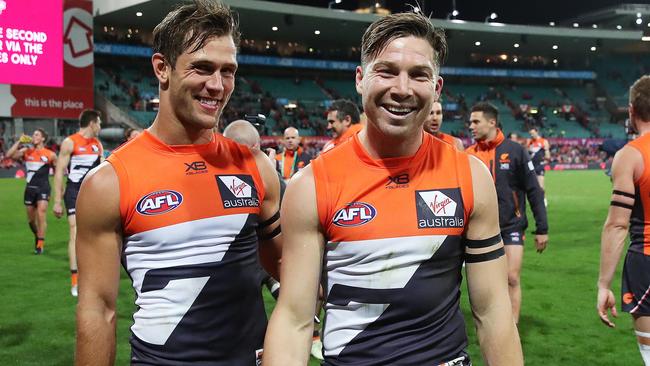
558	326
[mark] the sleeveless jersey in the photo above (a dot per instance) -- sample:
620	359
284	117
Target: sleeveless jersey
536	150
38	163
640	217
446	138
394	252
86	155
189	219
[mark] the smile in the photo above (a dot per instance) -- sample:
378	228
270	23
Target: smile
399	111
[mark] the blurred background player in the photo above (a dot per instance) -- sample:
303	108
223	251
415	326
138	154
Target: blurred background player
38	161
186	211
79	153
343	121
391	284
540	152
131	133
293	157
630	209
434	122
514	177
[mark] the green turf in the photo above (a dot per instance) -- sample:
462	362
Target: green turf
558	326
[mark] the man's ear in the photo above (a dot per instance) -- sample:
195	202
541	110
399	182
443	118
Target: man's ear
438	88
160	68
358	78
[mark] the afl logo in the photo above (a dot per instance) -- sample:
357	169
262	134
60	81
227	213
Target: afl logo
159	202
354	214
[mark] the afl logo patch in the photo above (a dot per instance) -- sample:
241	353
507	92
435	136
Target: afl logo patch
354	214
159	202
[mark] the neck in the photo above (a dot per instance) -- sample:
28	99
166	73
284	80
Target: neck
643	127
172	132
381	146
86	132
491	135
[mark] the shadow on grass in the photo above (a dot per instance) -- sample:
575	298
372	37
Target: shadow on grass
12	335
528	323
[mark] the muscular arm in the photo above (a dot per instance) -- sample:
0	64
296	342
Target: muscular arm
64	158
289	333
15	152
487	278
99	242
270	236
547	150
616	226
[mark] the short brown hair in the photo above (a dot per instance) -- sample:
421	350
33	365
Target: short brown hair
87	116
190	26
393	26
640	98
344	107
489	110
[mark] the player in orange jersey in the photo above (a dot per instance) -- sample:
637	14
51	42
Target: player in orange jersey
183	209
387	219
434	122
540	152
38	161
630	209
343	121
79	153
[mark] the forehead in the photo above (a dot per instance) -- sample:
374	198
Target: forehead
437	107
216	49
291	133
477	116
332	115
407	50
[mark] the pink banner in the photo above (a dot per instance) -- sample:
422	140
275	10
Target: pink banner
31	42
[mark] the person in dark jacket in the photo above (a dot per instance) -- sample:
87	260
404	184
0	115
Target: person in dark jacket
514	177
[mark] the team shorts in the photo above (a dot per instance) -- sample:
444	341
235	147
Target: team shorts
539	170
513	237
34	194
70	198
635	289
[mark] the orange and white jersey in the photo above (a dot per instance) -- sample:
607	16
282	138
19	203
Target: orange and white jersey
38	163
189	219
394	252
640	216
536	149
86	155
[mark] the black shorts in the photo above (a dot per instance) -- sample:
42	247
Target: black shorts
635	289
70	198
539	170
513	237
34	194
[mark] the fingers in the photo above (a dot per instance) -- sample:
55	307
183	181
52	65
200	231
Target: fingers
603	318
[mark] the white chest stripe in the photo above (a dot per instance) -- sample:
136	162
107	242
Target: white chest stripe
373	264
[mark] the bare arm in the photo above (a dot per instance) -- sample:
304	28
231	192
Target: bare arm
15	151
270	234
99	242
615	229
487	278
64	158
547	150
289	333
459	144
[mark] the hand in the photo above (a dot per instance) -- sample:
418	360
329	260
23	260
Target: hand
606	302
271	153
58	210
540	242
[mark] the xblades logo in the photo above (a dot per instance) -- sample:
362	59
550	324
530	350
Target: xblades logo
195	167
398	181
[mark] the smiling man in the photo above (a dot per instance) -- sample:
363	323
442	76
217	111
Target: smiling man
182	208
386	219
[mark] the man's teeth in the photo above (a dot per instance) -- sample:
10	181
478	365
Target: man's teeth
399	109
210	102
